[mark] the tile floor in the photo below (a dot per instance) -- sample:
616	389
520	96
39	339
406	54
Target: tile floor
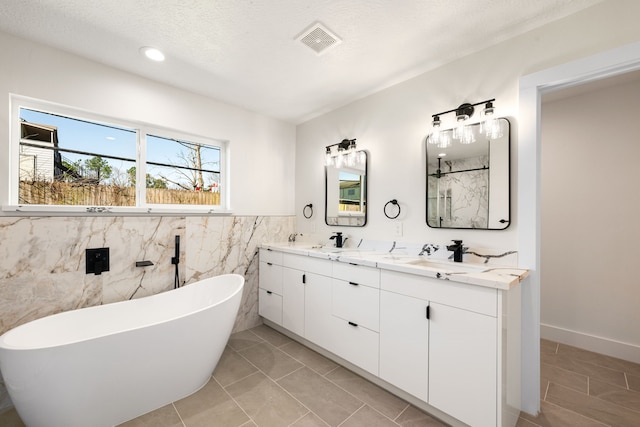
582	388
266	379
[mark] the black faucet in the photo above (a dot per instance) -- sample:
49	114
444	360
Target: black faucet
457	249
338	238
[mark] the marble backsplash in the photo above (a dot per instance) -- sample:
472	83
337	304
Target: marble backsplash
42	261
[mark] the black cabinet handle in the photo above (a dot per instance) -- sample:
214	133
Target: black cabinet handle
269	249
353	283
428	312
304	278
269	292
269	263
353	324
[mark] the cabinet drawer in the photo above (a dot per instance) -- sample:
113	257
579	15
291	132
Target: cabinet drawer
356	344
361	274
468	297
356	303
271	277
268	255
270	306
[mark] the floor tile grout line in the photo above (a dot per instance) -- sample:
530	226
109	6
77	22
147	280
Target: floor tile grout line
626	380
601	356
579	414
301	403
279	386
290	373
356	397
352	414
337	367
606	402
564	369
314	370
403	411
546	390
236	402
177	412
313	413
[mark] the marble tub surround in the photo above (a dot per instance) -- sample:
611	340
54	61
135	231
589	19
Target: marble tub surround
430	260
230	245
42	261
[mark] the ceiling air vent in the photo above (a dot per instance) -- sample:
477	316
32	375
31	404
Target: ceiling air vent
319	38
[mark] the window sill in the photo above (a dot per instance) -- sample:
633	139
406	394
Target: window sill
39	210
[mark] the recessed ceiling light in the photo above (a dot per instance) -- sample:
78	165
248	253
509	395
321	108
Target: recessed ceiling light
152	53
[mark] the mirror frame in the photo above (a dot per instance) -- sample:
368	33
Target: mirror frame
507	220
366	194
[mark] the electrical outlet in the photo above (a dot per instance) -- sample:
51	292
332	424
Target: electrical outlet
398	229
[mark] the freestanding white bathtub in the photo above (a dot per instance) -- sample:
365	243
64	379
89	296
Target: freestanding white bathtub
104	365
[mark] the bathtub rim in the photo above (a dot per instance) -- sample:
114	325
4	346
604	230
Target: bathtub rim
6	345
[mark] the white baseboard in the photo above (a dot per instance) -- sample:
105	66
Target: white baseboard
621	350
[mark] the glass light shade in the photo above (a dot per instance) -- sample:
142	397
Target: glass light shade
491	128
464	134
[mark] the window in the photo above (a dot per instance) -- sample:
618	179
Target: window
72	160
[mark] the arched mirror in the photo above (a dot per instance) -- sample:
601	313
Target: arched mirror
468	179
346	191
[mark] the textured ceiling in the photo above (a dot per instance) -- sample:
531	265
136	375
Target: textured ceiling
244	52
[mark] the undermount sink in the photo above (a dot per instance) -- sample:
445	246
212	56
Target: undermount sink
448	267
334	250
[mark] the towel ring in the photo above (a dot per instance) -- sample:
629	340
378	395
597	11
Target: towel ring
392	202
304	211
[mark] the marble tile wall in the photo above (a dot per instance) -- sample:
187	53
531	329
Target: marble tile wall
42	261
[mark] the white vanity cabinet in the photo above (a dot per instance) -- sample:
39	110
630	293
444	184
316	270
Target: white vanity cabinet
270	285
449	347
448	359
295	293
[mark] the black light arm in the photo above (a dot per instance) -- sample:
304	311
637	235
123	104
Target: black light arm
465	108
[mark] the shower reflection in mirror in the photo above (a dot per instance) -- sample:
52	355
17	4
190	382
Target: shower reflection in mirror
468	183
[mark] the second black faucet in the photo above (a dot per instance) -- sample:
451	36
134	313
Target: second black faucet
457	249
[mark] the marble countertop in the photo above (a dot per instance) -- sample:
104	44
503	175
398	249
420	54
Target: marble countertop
491	276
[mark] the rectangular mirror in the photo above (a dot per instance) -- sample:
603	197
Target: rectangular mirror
468	184
346	191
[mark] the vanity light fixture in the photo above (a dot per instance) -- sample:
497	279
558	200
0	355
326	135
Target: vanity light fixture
343	154
490	126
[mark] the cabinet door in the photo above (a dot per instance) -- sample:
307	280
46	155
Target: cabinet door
293	300
404	343
462	364
317	310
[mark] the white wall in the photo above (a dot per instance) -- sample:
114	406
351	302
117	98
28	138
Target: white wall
590	211
262	148
392	124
